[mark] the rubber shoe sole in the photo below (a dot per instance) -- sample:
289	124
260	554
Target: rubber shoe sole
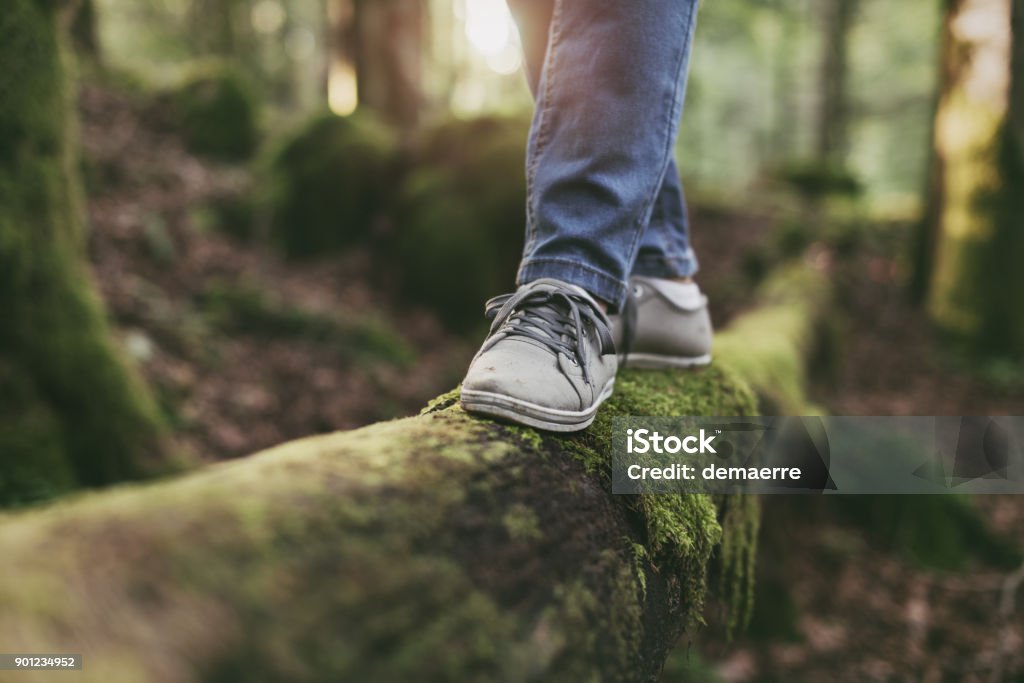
652	361
530	414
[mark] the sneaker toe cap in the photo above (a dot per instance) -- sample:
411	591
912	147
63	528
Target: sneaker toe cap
526	373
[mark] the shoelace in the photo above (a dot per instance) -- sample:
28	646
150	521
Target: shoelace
553	318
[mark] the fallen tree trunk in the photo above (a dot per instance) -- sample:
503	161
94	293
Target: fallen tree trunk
437	547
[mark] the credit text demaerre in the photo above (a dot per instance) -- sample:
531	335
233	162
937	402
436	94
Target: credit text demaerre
644	441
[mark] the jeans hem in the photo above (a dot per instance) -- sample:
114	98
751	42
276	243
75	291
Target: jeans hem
666	266
598	283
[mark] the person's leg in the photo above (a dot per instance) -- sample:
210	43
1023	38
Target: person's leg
665	321
665	250
609	98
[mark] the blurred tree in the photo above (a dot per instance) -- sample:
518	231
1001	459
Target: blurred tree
972	241
214	27
71	412
385	40
838	17
84	33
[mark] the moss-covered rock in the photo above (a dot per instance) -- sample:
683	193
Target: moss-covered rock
462	216
330	182
218	113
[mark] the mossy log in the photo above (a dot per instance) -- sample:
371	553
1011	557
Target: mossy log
436	547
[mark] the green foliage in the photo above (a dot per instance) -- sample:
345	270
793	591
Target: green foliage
462	216
330	182
219	113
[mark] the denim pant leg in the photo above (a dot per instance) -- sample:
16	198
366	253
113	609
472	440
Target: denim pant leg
665	249
609	97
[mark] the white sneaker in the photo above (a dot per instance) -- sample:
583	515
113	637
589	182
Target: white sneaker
664	324
548	362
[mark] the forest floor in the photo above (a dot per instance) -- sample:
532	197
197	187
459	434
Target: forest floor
247	350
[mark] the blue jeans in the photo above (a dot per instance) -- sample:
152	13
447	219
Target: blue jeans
604	199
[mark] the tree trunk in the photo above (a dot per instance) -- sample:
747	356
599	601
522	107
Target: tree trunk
71	412
438	547
385	39
212	27
84	31
976	216
833	115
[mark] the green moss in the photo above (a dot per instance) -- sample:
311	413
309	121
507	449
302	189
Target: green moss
640	558
445	400
312	514
737	558
54	329
462	215
681	532
769	346
218	112
330	183
521	523
33	462
974	278
443	492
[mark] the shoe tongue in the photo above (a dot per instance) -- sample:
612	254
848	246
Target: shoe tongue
551	284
